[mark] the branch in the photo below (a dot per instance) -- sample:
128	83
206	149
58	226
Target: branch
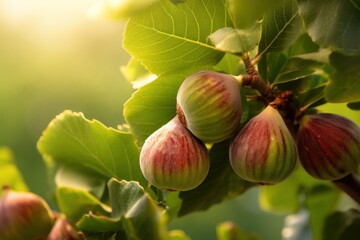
349	184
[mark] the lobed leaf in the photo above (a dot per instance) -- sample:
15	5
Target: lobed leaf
89	146
333	24
169	37
342	225
344	83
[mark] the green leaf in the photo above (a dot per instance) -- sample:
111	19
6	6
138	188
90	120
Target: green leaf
229	231
9	173
74	203
178	235
69	177
154	105
298	67
89	146
169	37
345	81
281	27
333	24
91	223
221	183
342	225
354	105
136	74
236	40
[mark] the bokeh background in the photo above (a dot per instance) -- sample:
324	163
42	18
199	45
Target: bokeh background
54	55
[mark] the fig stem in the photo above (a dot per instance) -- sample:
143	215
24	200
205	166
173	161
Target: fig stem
349	184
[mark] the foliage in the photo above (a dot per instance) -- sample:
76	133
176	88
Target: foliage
99	185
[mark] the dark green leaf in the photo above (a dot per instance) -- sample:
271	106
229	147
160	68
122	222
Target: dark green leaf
332	24
354	105
281	27
236	40
314	95
342	225
89	146
154	105
345	81
221	183
169	37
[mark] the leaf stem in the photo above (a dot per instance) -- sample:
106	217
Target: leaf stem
349	184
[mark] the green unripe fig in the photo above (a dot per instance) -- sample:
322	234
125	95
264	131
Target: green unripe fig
329	145
209	105
173	159
24	215
264	151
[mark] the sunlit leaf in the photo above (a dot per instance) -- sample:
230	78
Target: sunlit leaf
136	74
281	27
154	105
230	64
10	175
342	225
221	183
345	81
89	146
333	24
168	37
120	9
236	40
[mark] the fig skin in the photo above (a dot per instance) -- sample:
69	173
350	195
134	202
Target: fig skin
173	159
24	215
264	151
209	105
329	145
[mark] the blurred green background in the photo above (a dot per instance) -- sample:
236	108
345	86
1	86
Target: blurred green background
54	56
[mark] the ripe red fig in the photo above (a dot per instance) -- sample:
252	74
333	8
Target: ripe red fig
264	151
172	158
329	145
24	215
209	105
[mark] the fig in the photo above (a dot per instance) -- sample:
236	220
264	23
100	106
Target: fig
329	145
62	229
24	215
173	159
264	151
209	105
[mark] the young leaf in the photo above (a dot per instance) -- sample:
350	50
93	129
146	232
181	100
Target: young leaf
281	27
345	81
89	146
168	37
221	183
333	24
236	40
154	105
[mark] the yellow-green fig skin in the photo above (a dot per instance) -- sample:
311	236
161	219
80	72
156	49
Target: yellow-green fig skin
209	105
173	159
264	151
329	145
24	215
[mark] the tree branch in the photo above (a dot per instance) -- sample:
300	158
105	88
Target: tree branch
349	184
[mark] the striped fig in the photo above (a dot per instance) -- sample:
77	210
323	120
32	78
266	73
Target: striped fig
329	145
209	105
24	215
264	151
173	159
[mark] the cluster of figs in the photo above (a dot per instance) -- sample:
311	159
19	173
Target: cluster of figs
263	151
